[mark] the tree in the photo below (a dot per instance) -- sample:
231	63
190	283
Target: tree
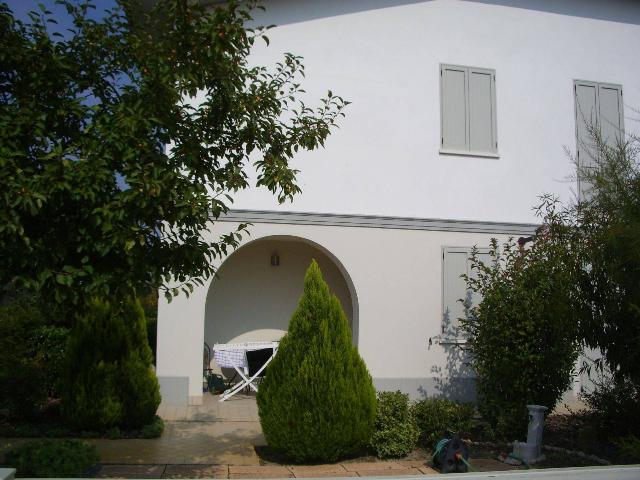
523	334
317	401
110	170
607	241
109	380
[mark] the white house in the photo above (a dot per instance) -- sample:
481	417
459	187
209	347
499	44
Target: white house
461	114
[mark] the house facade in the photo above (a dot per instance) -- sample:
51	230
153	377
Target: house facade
462	114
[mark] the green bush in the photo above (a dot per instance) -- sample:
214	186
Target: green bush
614	407
523	334
317	401
153	429
49	346
109	379
435	417
113	433
396	433
52	459
22	379
149	302
629	447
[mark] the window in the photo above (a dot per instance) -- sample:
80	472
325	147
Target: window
599	105
468	111
456	262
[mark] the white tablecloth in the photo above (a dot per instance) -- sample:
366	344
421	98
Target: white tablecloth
230	358
230	355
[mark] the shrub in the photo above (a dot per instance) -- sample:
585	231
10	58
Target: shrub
629	448
154	429
435	417
522	335
396	433
614	407
110	381
22	381
49	346
113	433
317	401
52	459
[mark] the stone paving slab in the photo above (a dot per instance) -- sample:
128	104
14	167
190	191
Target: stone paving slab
196	471
309	470
131	471
365	466
363	469
386	472
325	474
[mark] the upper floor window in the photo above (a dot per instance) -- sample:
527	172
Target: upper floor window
597	106
468	111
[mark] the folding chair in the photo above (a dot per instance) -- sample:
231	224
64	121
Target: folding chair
251	366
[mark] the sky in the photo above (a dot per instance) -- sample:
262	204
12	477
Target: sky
21	9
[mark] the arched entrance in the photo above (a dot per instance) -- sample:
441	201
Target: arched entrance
258	287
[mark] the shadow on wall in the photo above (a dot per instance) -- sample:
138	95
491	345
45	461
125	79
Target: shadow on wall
455	379
255	293
285	12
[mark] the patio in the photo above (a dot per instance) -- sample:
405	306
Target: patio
221	433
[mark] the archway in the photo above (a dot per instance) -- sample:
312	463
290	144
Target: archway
257	288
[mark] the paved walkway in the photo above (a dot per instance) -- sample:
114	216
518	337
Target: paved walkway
220	433
370	469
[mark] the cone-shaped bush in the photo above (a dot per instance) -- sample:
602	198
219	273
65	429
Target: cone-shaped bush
317	401
109	380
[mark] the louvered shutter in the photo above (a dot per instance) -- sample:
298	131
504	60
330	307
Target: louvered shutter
598	105
454	264
453	89
482	131
610	110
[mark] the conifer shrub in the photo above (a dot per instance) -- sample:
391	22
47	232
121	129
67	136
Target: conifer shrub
109	379
317	401
396	433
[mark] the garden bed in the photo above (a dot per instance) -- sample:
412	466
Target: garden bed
570	441
49	423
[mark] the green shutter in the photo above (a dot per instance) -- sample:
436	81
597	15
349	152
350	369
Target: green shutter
586	116
453	108
610	113
482	134
598	105
454	264
456	261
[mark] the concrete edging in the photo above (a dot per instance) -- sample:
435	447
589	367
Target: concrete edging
615	472
7	473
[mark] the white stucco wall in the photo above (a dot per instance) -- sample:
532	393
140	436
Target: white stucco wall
384	56
397	277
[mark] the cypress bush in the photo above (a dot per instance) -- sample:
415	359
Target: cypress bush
109	381
317	401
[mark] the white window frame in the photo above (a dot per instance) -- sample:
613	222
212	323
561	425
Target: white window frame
494	141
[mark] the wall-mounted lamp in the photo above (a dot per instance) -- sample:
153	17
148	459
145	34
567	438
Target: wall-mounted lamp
275	260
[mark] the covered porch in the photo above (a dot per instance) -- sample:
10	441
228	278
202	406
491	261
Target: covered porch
257	289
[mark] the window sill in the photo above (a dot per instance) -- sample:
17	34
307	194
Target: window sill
467	153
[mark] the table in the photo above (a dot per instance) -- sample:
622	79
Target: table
234	355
